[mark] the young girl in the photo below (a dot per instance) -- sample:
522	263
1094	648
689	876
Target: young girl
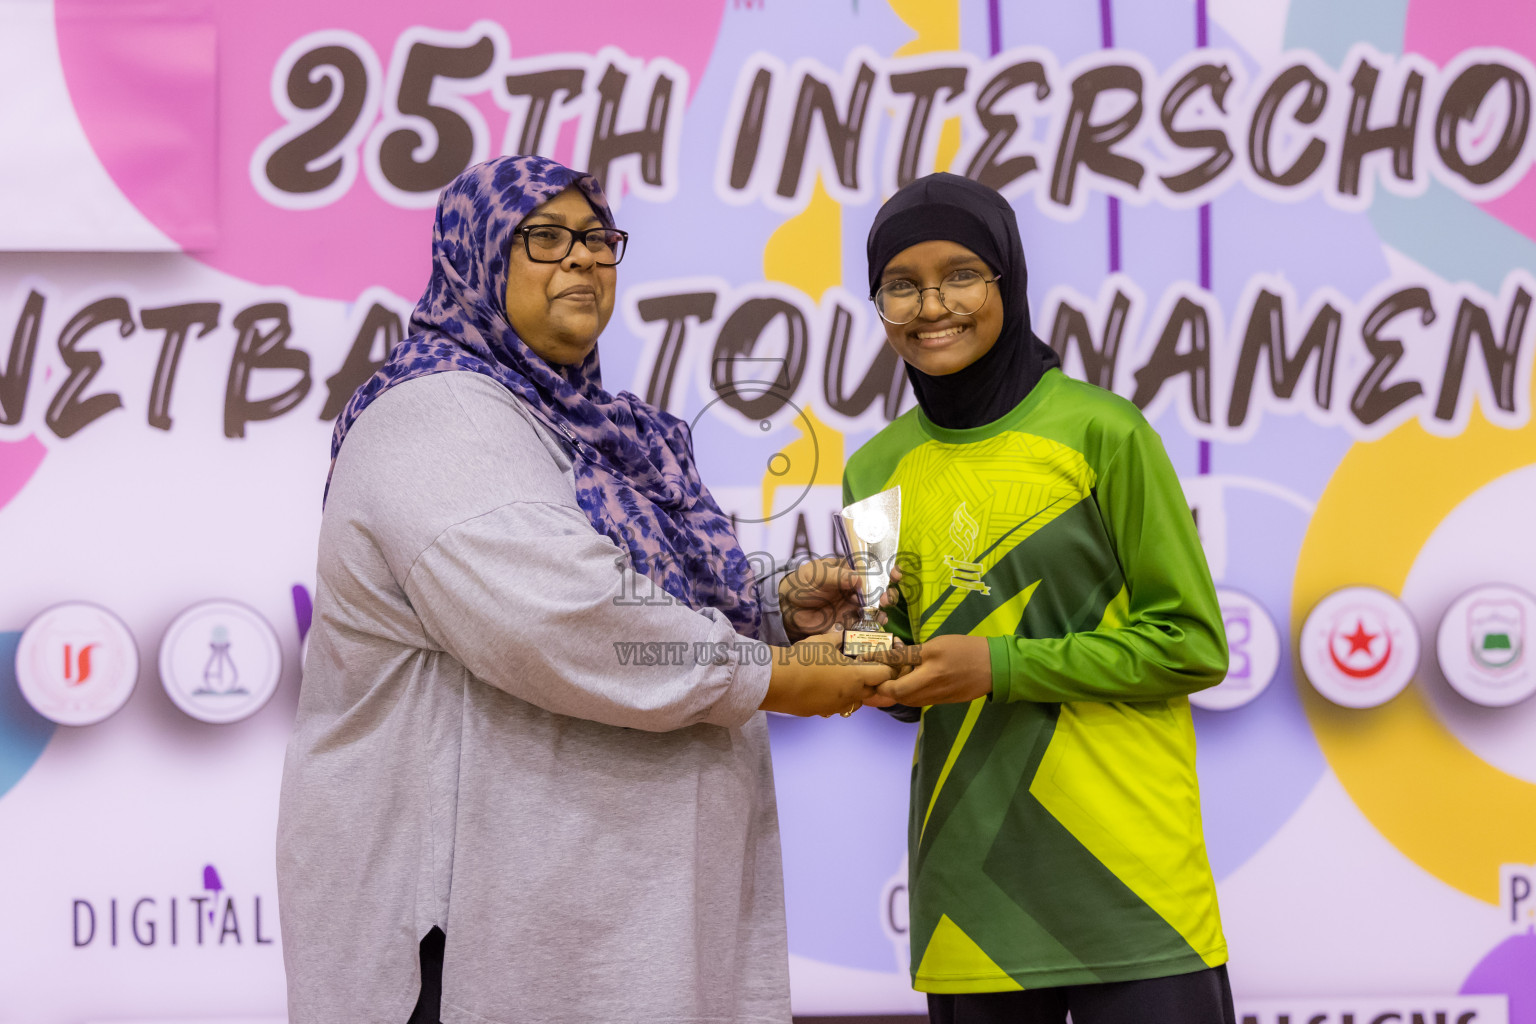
1062	610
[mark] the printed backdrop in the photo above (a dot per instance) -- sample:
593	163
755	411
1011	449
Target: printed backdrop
1301	235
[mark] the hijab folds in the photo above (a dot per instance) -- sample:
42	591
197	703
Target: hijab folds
951	208
636	479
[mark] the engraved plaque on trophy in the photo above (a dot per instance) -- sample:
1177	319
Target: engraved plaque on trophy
873	528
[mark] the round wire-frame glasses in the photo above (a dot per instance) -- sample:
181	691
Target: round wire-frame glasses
551	243
963	293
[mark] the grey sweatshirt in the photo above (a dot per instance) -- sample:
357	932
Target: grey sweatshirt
598	839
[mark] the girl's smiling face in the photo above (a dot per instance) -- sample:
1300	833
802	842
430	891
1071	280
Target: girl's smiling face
939	342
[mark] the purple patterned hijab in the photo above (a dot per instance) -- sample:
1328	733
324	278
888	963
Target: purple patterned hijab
635	474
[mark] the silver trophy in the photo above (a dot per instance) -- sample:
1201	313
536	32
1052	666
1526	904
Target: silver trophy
873	528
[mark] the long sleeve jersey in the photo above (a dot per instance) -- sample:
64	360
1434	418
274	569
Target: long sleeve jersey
1055	833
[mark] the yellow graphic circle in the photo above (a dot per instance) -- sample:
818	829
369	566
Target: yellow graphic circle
1445	808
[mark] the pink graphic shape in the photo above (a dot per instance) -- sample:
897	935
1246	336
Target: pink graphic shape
144	82
1440	29
18	461
335	251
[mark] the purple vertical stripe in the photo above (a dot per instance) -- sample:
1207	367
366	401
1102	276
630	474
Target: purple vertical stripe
1202	39
995	25
1202	36
303	609
1114	235
1205	247
1107	34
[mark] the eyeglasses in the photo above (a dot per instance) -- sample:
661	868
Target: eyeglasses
963	292
551	243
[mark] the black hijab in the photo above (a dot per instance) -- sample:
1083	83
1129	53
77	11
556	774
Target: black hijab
955	209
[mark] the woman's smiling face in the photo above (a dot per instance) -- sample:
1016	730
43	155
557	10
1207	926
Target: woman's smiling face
939	342
559	309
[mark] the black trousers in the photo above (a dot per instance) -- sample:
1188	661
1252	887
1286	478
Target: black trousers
1204	997
429	1005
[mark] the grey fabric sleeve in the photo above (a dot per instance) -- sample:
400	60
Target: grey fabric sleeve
535	602
768	599
474	508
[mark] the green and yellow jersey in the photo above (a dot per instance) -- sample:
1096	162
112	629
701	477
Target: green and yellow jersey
1055	834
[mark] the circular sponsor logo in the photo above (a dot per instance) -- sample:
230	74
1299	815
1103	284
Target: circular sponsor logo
1253	647
220	661
76	663
1359	647
1484	645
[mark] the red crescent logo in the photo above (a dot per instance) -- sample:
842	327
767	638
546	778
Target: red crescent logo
1369	670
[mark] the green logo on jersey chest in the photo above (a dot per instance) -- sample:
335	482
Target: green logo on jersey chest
967	507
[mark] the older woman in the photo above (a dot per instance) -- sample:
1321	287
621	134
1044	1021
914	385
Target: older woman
490	788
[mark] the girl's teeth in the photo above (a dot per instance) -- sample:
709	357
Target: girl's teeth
931	335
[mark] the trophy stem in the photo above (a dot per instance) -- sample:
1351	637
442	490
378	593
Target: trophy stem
873	528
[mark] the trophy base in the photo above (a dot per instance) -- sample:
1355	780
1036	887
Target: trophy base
860	641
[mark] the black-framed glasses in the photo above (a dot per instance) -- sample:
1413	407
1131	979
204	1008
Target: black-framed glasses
962	292
551	243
